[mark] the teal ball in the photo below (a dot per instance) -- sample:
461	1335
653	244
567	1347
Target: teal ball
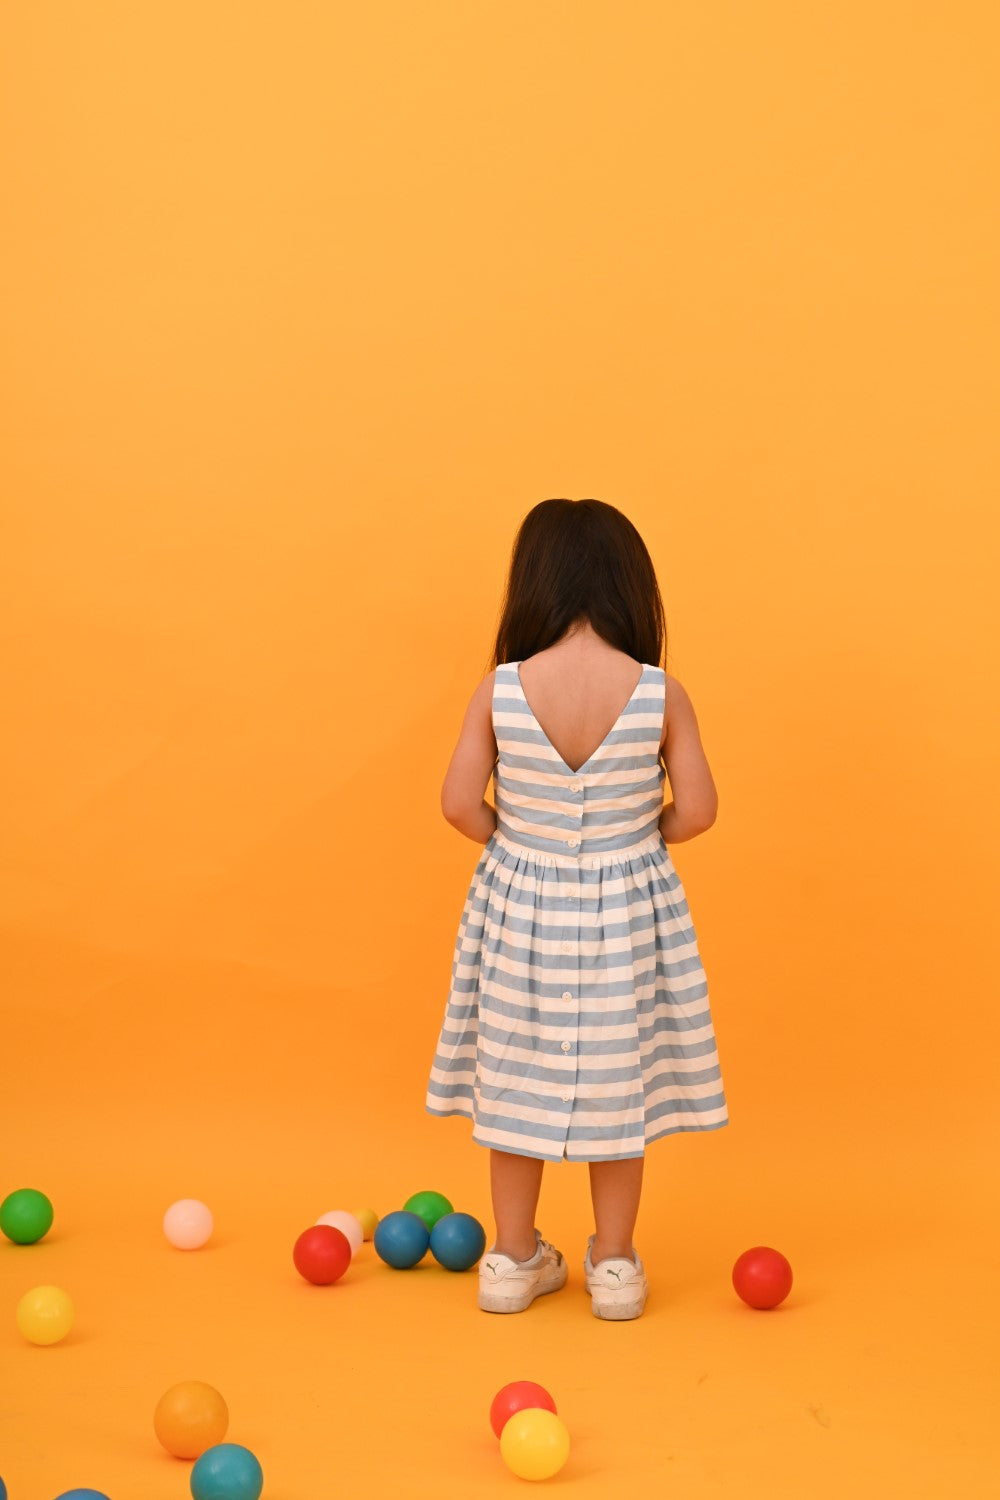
457	1241
227	1472
401	1239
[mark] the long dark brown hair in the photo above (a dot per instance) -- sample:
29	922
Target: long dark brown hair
580	557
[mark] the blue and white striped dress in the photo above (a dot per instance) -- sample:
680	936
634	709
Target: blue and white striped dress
577	1025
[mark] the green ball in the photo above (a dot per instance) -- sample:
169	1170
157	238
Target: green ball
25	1216
428	1206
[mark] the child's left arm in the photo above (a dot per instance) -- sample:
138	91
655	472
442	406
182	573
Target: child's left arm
463	800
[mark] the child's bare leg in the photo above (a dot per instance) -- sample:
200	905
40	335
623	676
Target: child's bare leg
515	1182
615	1187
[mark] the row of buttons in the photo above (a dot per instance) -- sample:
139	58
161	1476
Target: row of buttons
575	786
573	842
568	947
568	995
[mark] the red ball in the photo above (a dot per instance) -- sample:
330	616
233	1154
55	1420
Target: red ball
322	1254
762	1277
515	1397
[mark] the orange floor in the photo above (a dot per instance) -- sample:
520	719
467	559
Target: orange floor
136	1085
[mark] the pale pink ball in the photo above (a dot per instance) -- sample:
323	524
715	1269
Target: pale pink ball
188	1224
349	1226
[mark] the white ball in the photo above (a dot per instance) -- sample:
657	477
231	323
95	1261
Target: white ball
188	1224
339	1218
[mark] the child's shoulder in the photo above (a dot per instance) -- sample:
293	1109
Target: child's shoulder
477	723
678	711
675	689
481	702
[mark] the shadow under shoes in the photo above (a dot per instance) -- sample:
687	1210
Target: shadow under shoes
507	1286
617	1287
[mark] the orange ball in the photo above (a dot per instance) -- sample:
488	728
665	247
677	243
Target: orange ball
189	1418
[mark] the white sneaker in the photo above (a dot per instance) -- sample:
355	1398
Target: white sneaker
617	1286
507	1286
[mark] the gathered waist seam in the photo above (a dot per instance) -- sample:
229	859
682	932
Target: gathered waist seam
585	858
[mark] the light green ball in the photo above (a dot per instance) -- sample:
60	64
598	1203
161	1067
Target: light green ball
428	1206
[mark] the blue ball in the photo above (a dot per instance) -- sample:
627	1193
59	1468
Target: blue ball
457	1241
401	1239
3	1490
227	1472
72	1495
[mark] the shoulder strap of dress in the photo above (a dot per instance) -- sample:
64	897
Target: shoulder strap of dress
505	681
660	678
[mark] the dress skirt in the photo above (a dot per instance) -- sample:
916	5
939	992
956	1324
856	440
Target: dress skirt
577	1024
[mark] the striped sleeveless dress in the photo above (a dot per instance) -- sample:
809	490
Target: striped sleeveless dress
577	1024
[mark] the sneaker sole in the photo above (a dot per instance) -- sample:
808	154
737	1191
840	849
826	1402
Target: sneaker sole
616	1309
514	1302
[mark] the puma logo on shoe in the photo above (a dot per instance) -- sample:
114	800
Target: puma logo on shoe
615	1273
491	1267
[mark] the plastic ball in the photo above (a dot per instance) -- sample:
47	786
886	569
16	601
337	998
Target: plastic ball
457	1241
189	1418
534	1443
80	1495
762	1277
401	1239
349	1226
518	1396
368	1219
3	1490
25	1216
188	1224
428	1206
45	1315
322	1254
227	1472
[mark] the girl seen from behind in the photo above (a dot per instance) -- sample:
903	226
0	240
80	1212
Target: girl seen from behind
577	1025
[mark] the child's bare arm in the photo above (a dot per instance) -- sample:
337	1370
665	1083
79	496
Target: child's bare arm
696	800
463	800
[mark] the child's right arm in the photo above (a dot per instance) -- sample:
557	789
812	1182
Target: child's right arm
696	800
463	800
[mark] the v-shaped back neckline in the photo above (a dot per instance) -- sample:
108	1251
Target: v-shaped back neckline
583	766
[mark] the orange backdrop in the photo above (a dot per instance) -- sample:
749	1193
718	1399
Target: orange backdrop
303	308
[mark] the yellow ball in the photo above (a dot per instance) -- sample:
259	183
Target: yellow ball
534	1443
45	1315
368	1219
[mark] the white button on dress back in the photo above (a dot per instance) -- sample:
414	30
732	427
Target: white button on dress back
567	994
566	1046
572	842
